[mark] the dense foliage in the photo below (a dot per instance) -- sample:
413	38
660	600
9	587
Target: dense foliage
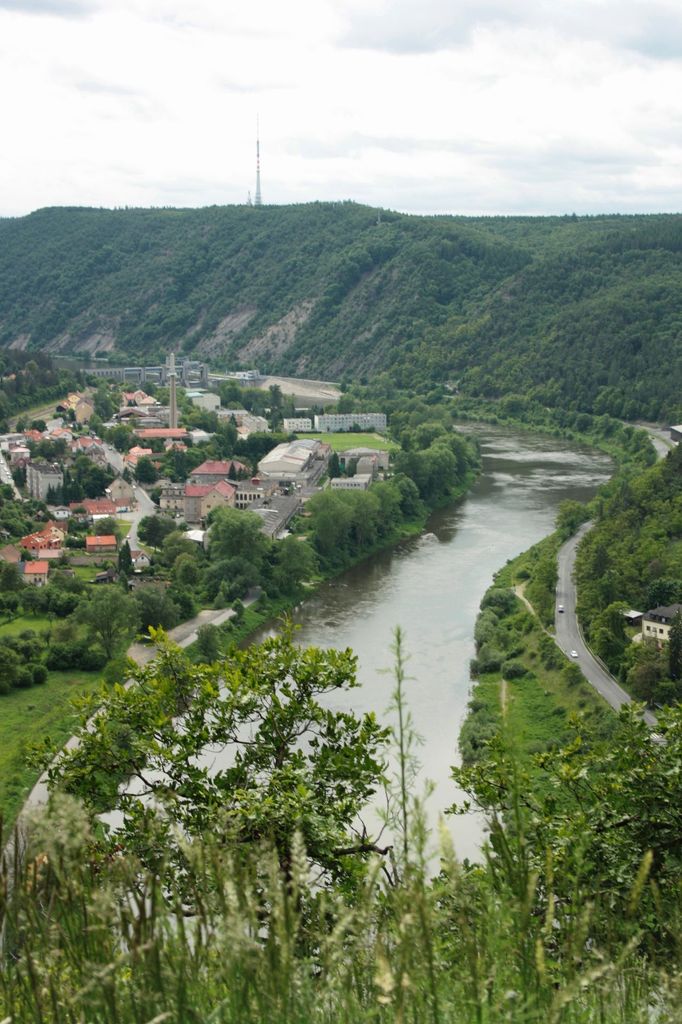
582	312
30	379
633	559
571	917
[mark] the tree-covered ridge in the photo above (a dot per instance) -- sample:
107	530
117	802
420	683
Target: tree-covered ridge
582	312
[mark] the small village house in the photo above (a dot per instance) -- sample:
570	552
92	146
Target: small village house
35	573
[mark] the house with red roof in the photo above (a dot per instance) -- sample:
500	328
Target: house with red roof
102	545
200	499
136	453
95	508
35	573
49	541
212	471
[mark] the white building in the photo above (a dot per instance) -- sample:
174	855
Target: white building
295	423
246	422
359	482
656	623
298	462
204	400
337	422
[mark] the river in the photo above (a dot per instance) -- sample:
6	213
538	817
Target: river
432	586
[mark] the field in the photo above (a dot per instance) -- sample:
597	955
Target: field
28	716
24	622
342	442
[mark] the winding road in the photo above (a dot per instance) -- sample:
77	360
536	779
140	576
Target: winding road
569	637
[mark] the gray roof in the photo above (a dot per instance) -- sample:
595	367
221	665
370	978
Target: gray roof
665	611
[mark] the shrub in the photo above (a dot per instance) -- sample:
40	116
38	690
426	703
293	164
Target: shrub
24	678
503	601
39	673
489	659
514	669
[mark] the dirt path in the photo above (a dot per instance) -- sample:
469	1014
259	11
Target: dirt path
520	591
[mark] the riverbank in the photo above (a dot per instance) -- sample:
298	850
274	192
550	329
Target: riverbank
524	685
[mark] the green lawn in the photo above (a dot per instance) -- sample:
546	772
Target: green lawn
27	716
85	572
22	623
341	442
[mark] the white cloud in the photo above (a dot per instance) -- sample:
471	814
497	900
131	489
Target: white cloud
415	105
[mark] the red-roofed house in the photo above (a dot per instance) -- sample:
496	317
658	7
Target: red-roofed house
200	499
211	471
35	573
100	545
95	507
135	454
49	539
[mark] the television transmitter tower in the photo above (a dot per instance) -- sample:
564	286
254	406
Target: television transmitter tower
258	200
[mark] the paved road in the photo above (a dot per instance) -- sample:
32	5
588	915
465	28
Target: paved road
569	637
7	478
145	505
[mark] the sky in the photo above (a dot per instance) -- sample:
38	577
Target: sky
423	106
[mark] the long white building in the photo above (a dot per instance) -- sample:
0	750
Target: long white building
337	422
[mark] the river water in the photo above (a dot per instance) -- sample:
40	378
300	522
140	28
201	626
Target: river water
431	586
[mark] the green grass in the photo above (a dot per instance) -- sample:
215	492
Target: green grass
24	622
85	572
342	442
539	706
27	716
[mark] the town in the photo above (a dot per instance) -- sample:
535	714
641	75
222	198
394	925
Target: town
140	462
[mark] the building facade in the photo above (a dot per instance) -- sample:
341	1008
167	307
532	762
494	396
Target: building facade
294	423
338	422
656	623
42	477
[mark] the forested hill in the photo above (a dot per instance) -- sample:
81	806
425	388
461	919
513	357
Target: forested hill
579	311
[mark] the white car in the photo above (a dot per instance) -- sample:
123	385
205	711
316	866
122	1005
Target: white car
574	654
560	608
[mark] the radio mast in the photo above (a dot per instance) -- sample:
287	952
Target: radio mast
258	200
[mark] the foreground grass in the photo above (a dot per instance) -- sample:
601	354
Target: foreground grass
27	716
98	939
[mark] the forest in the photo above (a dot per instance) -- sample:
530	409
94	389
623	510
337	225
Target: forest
573	312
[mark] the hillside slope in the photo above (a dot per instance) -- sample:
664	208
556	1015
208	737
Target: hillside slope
581	311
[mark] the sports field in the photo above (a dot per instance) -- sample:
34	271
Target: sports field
342	442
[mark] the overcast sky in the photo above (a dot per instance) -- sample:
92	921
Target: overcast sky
426	106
